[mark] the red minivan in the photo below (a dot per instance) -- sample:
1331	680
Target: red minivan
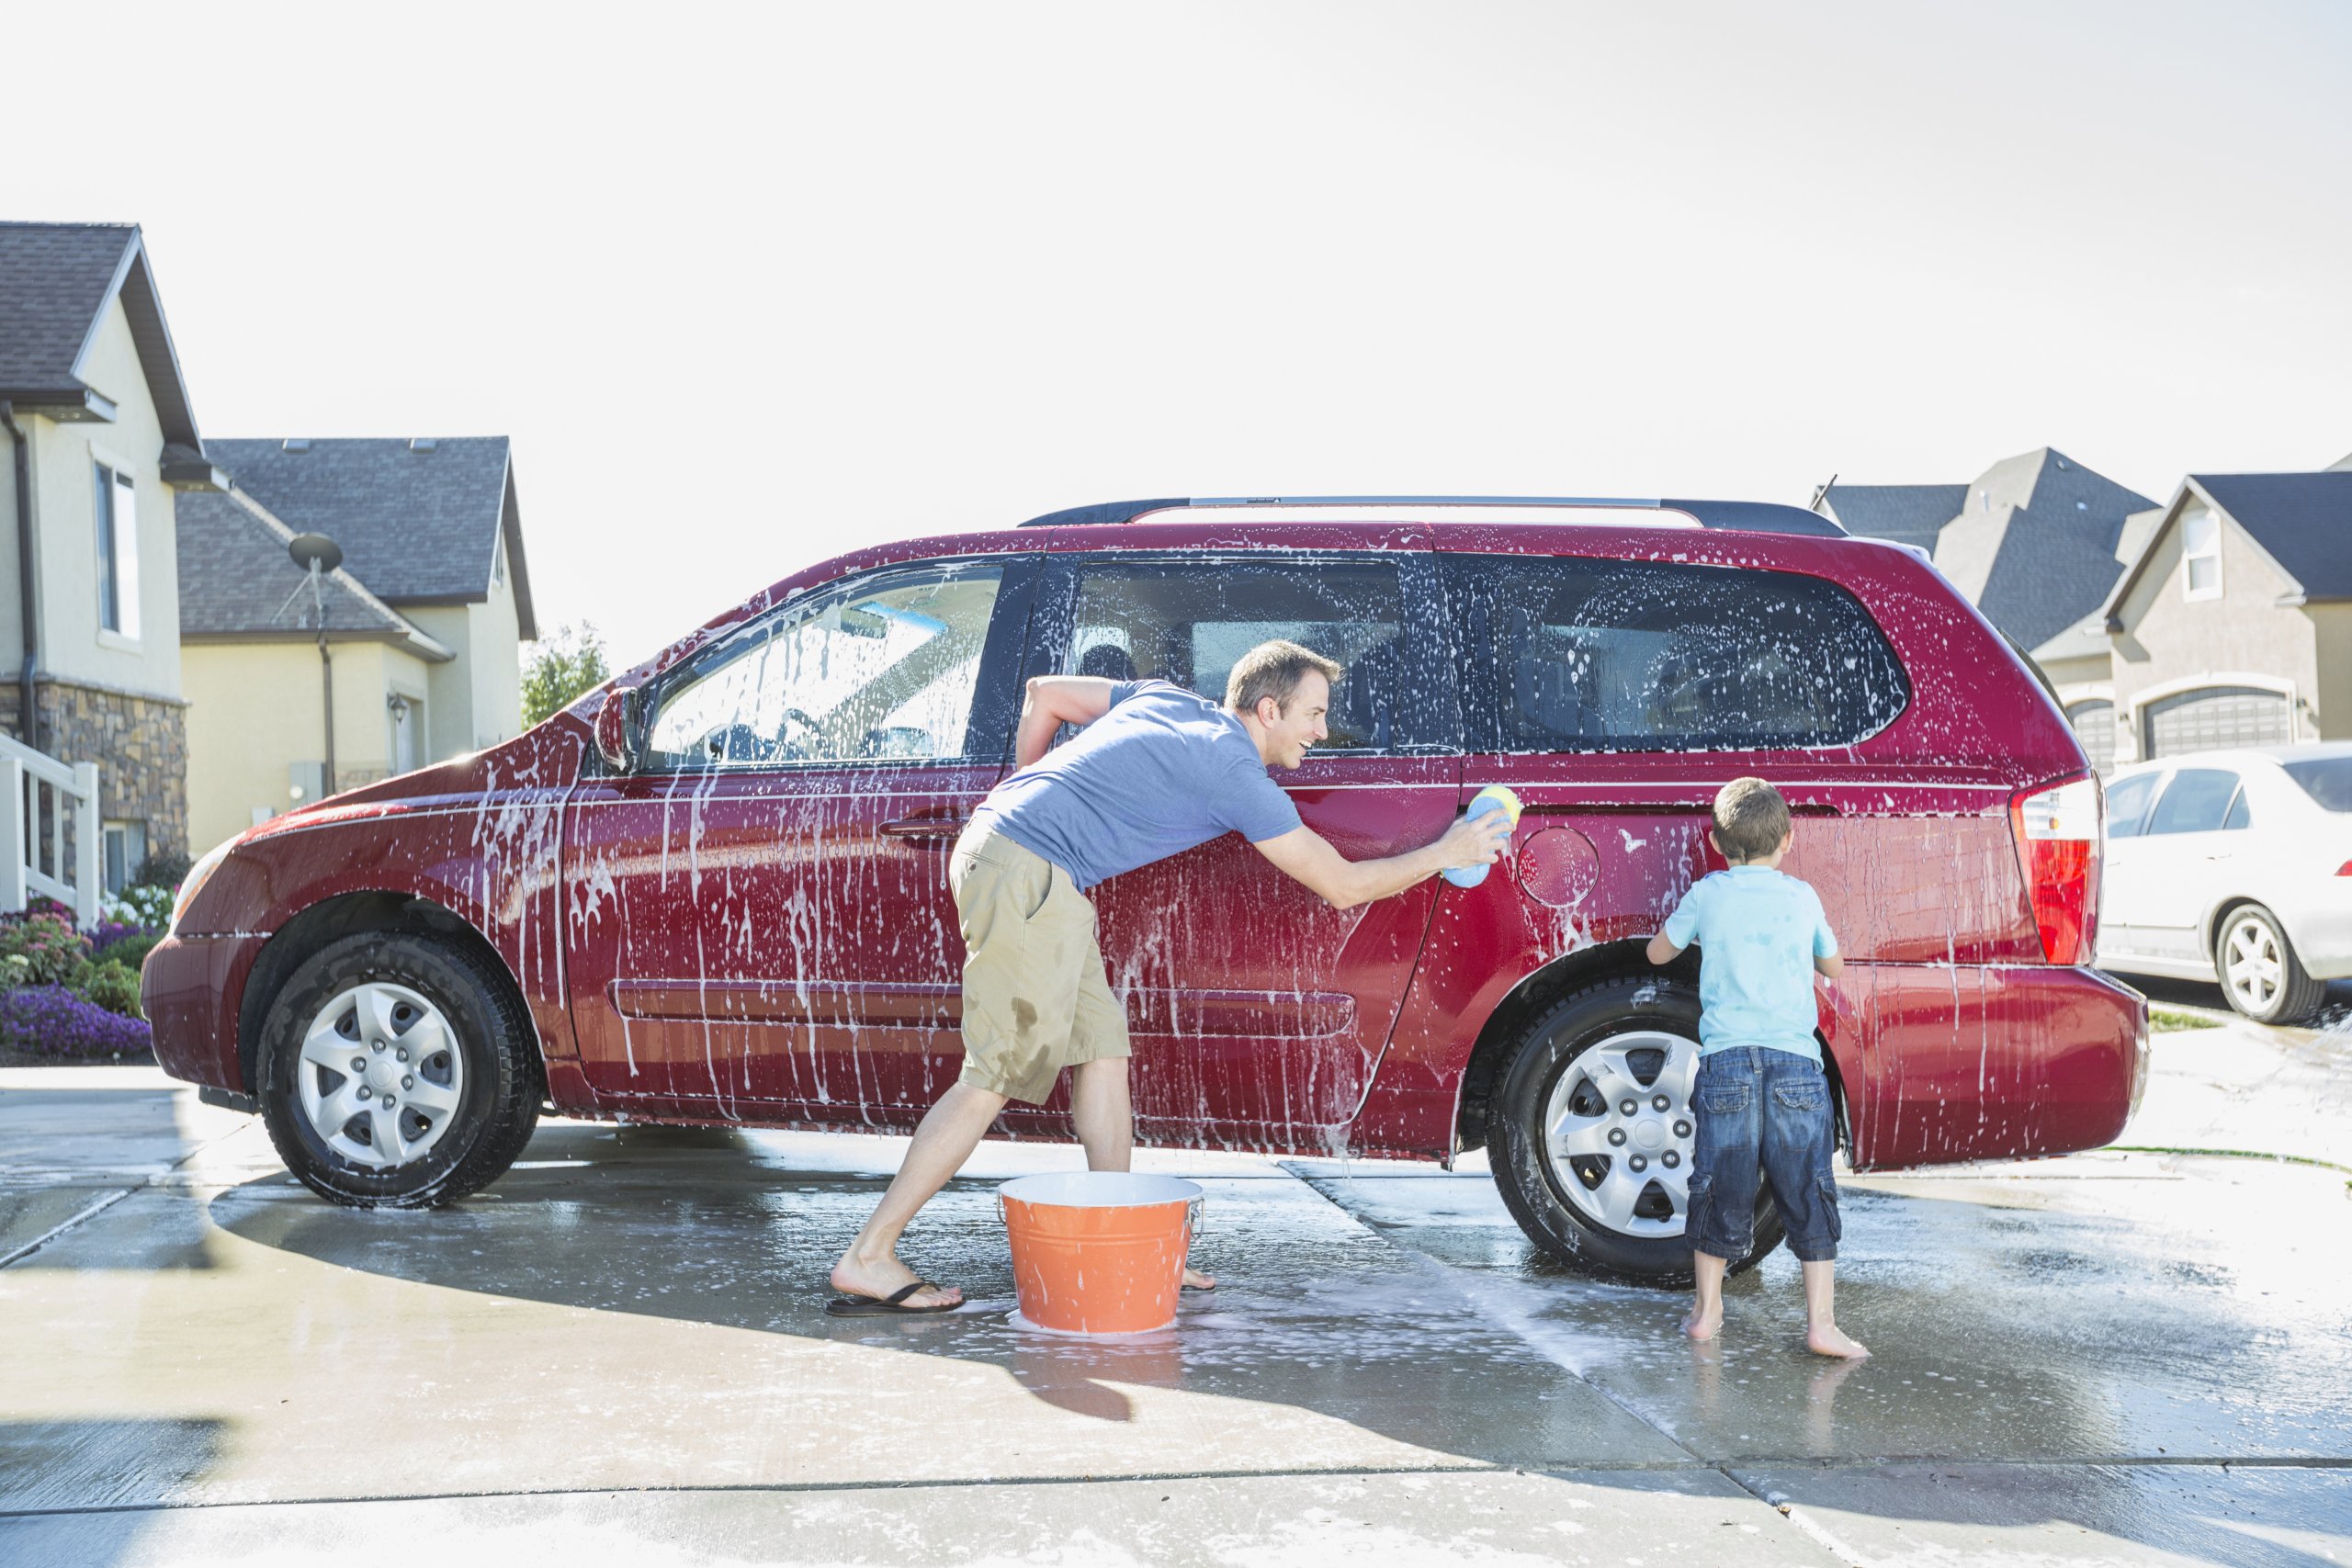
715	890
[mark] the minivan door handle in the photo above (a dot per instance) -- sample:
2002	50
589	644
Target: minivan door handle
924	827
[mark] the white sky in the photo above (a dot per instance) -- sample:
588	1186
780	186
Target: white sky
752	286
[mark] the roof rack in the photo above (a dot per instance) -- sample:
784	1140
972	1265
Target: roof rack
1753	516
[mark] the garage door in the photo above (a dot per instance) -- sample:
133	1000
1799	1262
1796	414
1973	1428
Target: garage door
2094	724
2216	715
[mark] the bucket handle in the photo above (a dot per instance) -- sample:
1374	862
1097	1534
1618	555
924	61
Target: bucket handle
1192	1218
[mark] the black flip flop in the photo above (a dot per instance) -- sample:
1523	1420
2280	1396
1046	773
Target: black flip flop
890	1306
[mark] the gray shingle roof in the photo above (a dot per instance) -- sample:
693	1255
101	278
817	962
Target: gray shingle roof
236	579
2304	521
1909	514
416	526
56	279
2056	558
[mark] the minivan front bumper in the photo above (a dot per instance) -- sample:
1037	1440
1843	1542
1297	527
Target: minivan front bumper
188	988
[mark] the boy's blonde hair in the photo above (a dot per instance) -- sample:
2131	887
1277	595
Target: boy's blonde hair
1273	670
1750	819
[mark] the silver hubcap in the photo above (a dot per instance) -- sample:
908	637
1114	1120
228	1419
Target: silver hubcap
2251	964
381	1074
1618	1128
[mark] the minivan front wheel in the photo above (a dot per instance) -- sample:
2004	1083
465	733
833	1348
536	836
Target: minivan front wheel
1591	1128
398	1071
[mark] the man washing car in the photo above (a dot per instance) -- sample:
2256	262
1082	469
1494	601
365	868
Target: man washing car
1155	770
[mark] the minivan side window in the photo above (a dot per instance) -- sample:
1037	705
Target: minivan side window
879	669
1189	621
2126	804
2196	801
1596	655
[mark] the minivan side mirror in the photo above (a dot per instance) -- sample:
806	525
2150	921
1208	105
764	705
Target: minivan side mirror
616	729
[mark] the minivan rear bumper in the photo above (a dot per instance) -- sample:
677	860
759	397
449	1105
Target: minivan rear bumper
187	988
1991	1062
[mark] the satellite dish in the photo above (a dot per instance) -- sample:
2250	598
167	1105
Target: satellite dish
314	549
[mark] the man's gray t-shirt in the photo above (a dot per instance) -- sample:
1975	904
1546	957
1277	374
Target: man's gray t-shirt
1164	770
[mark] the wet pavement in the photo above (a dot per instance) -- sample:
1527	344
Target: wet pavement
618	1354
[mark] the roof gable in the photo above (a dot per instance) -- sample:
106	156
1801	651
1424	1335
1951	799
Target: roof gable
2303	522
56	281
419	522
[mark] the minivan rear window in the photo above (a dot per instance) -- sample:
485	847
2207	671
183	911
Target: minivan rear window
1571	654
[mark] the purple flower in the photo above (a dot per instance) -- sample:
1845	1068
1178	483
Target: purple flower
49	1021
105	933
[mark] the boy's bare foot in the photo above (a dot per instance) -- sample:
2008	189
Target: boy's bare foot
1196	1280
1828	1339
855	1277
1701	1324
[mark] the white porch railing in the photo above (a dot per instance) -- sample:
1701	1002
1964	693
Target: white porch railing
35	791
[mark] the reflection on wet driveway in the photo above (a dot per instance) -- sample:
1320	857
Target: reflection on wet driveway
621	1349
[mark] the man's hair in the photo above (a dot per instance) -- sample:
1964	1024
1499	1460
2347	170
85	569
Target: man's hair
1273	670
1750	818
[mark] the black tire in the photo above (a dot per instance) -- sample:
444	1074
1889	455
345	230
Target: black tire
2298	995
498	1097
1533	1188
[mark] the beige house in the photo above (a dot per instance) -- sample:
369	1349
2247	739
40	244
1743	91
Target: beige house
2232	624
2035	541
423	619
98	447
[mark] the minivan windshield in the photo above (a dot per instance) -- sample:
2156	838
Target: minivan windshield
2328	780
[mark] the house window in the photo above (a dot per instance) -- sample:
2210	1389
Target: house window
117	506
2200	545
125	846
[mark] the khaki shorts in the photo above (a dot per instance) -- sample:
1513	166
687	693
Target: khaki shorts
1035	997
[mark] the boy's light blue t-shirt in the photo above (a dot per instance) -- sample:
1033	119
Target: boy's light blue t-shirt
1758	932
1164	770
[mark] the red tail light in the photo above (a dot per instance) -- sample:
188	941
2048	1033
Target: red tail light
2057	830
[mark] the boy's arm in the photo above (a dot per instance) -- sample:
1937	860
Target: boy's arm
1051	701
1681	927
1828	961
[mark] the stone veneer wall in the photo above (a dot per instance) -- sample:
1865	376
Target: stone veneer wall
139	743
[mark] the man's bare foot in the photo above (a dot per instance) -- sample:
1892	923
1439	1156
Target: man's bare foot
853	1277
1828	1339
1196	1280
1703	1325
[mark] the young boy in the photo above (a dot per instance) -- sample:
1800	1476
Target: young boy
1761	1101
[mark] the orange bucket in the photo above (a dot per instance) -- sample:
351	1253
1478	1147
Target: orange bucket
1099	1251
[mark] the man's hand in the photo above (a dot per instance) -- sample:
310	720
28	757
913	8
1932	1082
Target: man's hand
1476	840
1052	701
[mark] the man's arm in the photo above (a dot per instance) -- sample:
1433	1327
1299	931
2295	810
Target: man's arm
1307	857
1831	967
1662	949
1051	701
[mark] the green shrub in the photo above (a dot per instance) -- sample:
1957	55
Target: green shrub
129	954
41	950
113	987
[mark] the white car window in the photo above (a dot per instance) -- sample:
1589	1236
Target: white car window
2196	801
2126	804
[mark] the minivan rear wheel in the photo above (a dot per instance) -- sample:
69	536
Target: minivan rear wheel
1590	1133
398	1072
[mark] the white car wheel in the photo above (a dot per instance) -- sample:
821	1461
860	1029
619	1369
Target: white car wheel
2260	971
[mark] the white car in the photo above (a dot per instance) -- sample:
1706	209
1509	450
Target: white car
2233	866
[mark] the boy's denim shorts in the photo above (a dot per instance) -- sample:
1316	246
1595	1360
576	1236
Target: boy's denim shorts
1764	1118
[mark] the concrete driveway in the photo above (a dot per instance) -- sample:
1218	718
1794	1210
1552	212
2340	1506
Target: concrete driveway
618	1354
